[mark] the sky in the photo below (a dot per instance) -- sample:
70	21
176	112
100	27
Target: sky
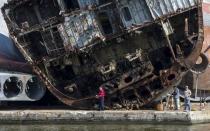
3	27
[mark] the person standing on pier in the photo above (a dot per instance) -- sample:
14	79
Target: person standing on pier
176	96
101	96
187	94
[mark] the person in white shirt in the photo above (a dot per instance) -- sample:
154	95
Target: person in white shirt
187	94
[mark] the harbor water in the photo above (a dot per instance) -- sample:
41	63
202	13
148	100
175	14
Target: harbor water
105	127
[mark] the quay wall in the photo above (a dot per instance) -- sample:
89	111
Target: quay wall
69	116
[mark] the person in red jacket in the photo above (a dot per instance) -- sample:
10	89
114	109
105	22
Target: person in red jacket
101	96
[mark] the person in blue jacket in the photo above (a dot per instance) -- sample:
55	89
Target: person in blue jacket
176	96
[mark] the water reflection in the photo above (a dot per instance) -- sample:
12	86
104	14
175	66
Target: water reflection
104	127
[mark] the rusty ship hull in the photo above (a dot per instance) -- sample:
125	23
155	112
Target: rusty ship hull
203	81
137	50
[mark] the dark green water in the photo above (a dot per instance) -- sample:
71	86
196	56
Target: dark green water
105	127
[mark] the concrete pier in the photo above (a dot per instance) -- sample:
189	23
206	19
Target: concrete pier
69	116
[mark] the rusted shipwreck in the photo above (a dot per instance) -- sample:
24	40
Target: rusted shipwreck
137	49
